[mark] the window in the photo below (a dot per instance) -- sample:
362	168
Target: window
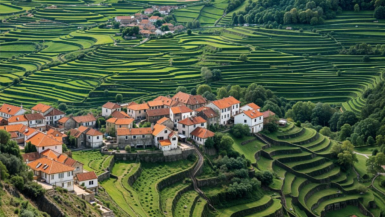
194	125
91	182
55	147
43	148
52	176
183	126
134	137
143	136
97	137
69	174
61	175
126	137
77	168
184	132
174	138
165	131
245	121
255	120
62	185
89	137
69	184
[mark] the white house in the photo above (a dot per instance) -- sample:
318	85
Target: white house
153	19
7	111
200	135
188	125
253	118
43	142
36	121
148	11
120	18
137	111
85	120
109	108
94	138
250	106
165	138
51	114
53	172
226	107
88	180
178	113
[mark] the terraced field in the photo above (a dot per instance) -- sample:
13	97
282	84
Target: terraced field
93	160
312	182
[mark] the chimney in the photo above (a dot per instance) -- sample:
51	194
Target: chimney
21	105
152	126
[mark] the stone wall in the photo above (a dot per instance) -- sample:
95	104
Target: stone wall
289	136
179	195
45	205
106	175
252	210
151	156
132	179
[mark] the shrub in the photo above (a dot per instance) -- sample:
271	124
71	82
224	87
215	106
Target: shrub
128	148
18	182
240	130
33	189
265	177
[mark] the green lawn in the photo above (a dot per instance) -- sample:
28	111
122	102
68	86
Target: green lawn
346	212
248	149
93	160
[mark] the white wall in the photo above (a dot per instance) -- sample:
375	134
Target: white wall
87	184
57	148
224	114
189	129
95	141
20	122
255	123
66	182
107	112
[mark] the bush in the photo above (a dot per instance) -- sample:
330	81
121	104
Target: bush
33	189
265	177
128	148
18	182
240	130
383	183
27	213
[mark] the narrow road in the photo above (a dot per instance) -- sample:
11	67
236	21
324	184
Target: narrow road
365	155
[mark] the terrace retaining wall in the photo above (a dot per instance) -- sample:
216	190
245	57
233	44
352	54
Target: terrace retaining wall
132	179
45	205
290	136
107	174
252	210
179	195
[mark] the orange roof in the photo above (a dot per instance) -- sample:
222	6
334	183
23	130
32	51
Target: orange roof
123	17
252	113
154	17
149	10
29	131
21	128
56	133
158	112
138	107
43	140
9	109
35	116
49	166
68	161
165	142
30	156
62	158
86	176
225	102
63	119
268	113
50	154
155	103
111	120
180	109
158	128
189	99
119	114
202	133
207	111
166	101
162	120
192	121
55	112
41	108
124	121
111	105
74	132
17	118
93	132
82	129
253	106
84	118
133	131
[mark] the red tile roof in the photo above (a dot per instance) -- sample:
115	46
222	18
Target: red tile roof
63	120
9	109
133	131
166	101
165	142
124	121
49	166
82	129
84	118
252	113
225	102
207	111
138	107
158	112
155	103
111	105
54	112
31	156
180	109
86	176
189	99
93	132
192	121
50	154
162	120
253	106
21	128
119	114
17	118
202	133
35	116
41	108
43	140
267	114
158	128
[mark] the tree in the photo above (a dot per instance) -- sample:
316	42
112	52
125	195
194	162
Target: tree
164	28
321	113
333	122
119	97
13	163
265	177
3	172
217	74
106	92
374	163
380	140
345	154
240	130
209	96
370	141
189	32
222	93
365	58
209	142
379	12
326	131
18	182
128	148
226	143
347	117
367	127
62	106
206	73
203	88
16	81
64	147
181	89
193	91
356	8
29	148
346	131
361	188
243	57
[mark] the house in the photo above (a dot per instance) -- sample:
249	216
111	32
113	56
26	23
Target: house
191	101
208	114
226	108
164	10
62	158
109	108
119	114
85	120
53	173
51	114
149	11
164	138
144	22
19	132
18	119
29	157
167	101
59	136
155	104
3	121
268	116
250	106
153	19
94	138
80	136
43	142
200	135
116	123
66	123
7	111
36	121
253	119
137	111
89	180
156	114
119	18
179	113
166	122
136	137
187	125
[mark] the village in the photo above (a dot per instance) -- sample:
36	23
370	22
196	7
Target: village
177	120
